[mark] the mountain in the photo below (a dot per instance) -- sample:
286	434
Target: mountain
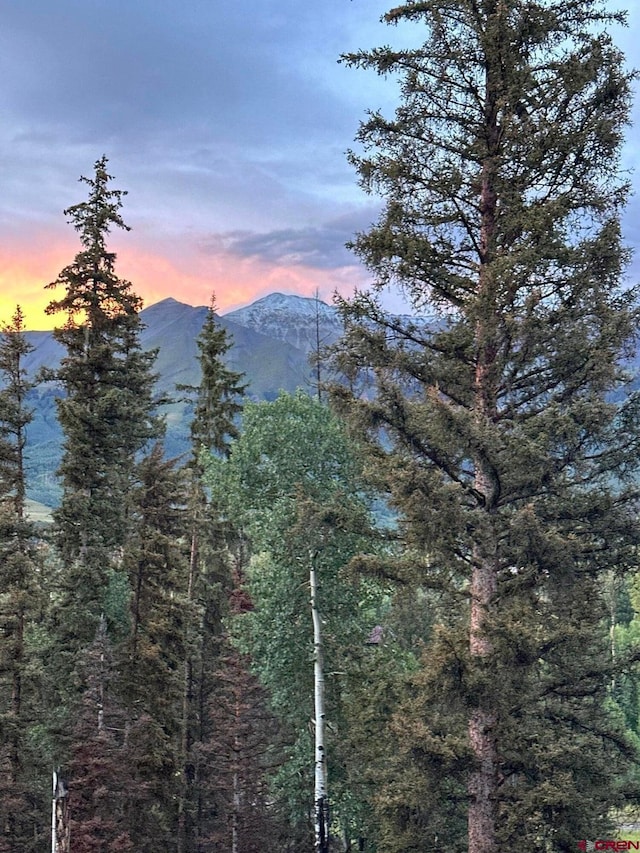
272	339
296	320
173	327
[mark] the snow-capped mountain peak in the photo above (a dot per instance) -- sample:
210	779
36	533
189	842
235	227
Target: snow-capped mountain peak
291	318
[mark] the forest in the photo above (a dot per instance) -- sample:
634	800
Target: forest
399	614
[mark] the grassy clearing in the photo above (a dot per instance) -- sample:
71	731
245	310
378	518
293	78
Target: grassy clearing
38	512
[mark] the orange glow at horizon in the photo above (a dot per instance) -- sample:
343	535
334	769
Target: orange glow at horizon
24	272
234	280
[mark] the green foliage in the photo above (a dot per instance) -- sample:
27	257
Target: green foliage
291	487
491	420
243	743
481	670
100	784
106	412
292	443
217	402
116	604
149	673
14	414
20	607
624	637
120	531
156	565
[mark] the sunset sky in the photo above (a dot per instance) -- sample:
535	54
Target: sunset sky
226	123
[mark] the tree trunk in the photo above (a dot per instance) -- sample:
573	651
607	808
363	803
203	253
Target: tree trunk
483	780
235	813
60	826
320	788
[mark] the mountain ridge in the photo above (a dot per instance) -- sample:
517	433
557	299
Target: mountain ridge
300	321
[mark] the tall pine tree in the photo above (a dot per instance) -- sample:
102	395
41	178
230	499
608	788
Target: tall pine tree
20	603
217	401
106	411
100	783
243	742
494	428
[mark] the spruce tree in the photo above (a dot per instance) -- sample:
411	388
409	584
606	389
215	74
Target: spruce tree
217	402
243	742
149	670
20	602
14	414
496	422
100	785
106	411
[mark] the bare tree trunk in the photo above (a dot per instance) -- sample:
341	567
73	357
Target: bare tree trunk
60	825
320	789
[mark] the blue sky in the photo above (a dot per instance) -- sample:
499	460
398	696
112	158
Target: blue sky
227	124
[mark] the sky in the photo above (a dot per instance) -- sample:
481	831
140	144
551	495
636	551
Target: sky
226	123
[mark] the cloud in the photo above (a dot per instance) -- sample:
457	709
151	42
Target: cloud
125	70
236	280
226	124
240	103
322	247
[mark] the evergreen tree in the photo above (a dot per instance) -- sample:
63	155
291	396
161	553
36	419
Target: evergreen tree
14	415
493	424
217	403
150	682
218	397
100	784
107	411
243	743
20	604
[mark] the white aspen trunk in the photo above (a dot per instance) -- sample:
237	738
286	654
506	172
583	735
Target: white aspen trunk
101	693
53	812
613	594
60	827
320	789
